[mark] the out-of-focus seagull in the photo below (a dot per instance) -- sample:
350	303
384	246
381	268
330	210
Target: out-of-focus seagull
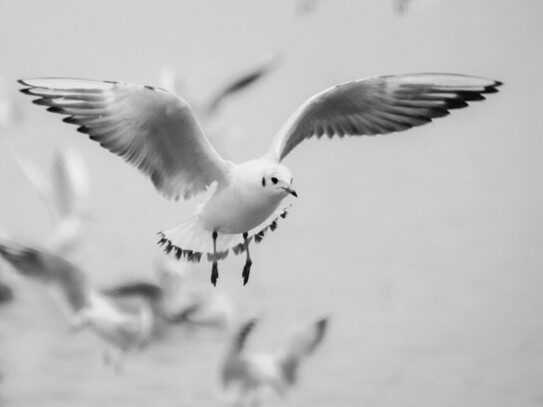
124	326
159	134
247	378
207	108
65	193
177	299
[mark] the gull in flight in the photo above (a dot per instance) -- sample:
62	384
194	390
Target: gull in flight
209	107
179	300
124	326
65	193
247	378
158	133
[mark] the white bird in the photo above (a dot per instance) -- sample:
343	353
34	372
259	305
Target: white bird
159	134
66	194
247	378
125	327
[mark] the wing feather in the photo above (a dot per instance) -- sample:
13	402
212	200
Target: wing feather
379	105
148	127
49	268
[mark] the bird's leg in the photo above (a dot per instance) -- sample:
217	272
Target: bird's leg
248	261
214	267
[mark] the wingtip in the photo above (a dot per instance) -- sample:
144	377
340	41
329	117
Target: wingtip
494	87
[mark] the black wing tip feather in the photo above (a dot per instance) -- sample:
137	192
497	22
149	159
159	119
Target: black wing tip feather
188	255
493	88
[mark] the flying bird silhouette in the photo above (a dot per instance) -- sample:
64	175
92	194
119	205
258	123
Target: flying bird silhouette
247	377
125	326
159	134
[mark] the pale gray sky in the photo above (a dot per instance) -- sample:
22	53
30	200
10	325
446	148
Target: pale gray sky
440	225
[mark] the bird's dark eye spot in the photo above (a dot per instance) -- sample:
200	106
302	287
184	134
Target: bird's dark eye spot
274	180
263	181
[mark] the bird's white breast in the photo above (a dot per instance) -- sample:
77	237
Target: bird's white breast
241	206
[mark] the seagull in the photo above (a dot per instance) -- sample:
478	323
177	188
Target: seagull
209	107
125	327
179	300
247	377
65	193
158	133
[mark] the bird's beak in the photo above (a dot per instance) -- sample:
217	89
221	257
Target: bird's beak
291	191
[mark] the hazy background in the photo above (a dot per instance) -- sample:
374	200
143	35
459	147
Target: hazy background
425	246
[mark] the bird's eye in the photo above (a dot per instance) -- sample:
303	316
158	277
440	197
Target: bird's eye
263	181
274	180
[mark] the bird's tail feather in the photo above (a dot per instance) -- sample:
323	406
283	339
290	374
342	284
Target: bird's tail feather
190	240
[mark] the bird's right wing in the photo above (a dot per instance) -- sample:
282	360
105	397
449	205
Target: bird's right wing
148	127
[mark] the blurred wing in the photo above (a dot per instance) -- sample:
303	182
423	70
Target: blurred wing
150	128
142	289
378	105
240	83
49	268
303	343
38	180
70	183
243	334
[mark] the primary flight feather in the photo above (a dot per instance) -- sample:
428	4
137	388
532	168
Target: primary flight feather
159	134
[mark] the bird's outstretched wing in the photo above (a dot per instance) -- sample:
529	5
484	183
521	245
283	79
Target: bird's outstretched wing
303	343
379	105
150	128
49	268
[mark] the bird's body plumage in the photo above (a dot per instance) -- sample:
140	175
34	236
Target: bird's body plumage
159	134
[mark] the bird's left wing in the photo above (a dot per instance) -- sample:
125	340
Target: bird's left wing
150	128
379	105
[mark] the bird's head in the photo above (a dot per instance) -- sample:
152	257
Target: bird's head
277	179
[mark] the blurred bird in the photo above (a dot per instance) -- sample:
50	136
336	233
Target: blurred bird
178	300
207	108
248	378
159	134
66	195
304	7
124	326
